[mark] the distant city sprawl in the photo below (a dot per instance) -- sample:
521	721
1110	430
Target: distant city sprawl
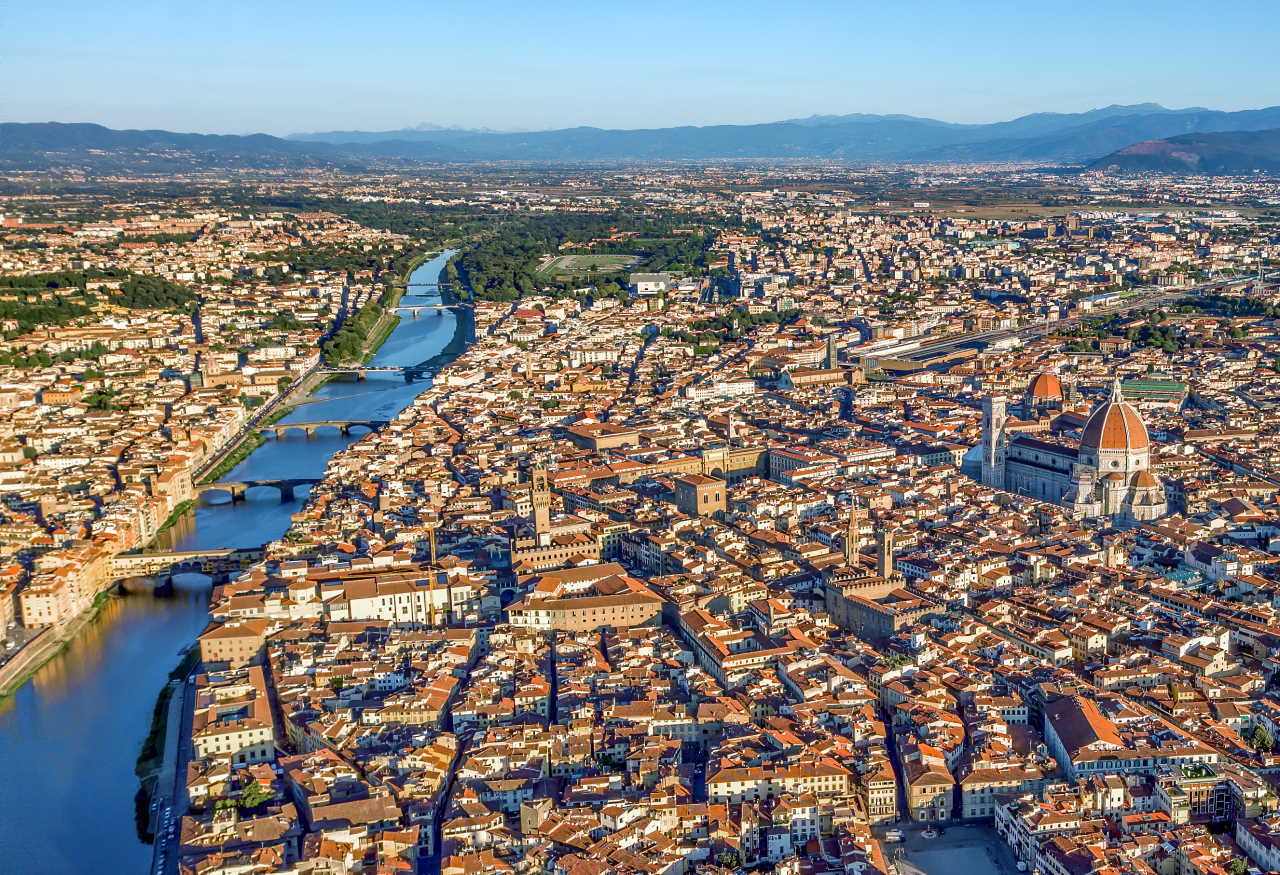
788	517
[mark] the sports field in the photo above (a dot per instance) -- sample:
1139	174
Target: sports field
577	265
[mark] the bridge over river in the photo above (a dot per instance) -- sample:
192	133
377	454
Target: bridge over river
237	488
218	564
361	372
415	309
309	428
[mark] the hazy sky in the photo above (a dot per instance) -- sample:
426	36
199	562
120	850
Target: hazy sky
281	66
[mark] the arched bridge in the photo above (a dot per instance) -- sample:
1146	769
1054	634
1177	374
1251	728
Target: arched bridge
237	488
361	372
218	564
415	309
280	429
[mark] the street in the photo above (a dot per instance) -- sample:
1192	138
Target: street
169	801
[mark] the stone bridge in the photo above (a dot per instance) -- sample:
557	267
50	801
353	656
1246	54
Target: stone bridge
438	309
237	488
280	429
362	372
217	564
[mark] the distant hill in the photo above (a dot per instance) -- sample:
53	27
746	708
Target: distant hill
1052	138
1218	154
55	142
1047	137
46	144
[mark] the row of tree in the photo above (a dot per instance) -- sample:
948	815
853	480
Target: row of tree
348	343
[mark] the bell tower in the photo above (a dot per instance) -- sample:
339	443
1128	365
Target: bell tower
540	501
884	552
994	418
853	534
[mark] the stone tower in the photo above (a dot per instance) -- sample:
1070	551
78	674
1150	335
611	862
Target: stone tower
852	534
540	500
884	552
993	423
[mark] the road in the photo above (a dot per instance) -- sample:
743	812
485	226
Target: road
169	801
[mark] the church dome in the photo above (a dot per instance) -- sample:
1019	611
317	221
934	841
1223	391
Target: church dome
1045	387
1144	480
1115	425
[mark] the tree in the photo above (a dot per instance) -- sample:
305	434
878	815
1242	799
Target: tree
1238	866
1260	739
102	399
254	795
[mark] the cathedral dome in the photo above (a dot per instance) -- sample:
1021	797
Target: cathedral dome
1045	387
1144	480
1115	425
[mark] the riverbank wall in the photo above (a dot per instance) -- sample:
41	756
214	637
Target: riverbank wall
45	646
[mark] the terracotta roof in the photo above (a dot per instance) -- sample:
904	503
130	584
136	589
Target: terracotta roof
1045	386
1079	724
1144	480
1115	425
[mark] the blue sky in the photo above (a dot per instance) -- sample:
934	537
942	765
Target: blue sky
281	66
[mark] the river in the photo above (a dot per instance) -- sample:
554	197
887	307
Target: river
70	736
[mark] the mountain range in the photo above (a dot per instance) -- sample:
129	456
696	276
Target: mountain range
1054	138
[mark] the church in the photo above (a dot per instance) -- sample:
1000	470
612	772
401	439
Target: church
1106	475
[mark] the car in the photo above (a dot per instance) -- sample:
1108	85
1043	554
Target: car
893	835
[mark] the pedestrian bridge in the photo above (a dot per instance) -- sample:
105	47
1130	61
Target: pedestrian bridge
237	488
217	564
344	426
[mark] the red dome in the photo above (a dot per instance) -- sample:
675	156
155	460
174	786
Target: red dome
1144	480
1115	425
1046	387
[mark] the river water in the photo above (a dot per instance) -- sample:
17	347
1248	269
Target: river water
69	738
